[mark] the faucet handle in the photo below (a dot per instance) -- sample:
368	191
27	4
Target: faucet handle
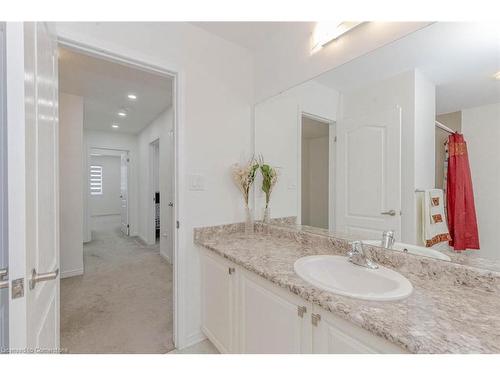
356	248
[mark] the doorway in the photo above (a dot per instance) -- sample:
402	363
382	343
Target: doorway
126	116
316	167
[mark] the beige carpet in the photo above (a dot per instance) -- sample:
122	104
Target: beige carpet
123	302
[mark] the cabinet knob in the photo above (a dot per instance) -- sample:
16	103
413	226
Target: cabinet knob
315	318
301	310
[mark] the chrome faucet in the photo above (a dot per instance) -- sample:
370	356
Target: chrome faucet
388	239
357	256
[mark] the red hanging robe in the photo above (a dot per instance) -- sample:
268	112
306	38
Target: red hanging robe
460	197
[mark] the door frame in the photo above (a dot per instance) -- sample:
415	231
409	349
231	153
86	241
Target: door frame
151	229
332	157
179	331
88	215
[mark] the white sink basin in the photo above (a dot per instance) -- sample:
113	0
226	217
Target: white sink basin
413	249
337	275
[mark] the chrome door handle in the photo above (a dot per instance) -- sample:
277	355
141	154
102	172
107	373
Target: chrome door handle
390	213
39	277
4	283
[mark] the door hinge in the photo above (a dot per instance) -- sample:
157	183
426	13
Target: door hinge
335	139
128	225
301	310
17	288
231	270
177	224
315	318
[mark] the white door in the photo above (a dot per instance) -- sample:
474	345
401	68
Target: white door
4	291
124	193
167	177
369	174
33	170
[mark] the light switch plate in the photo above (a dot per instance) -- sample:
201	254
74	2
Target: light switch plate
196	182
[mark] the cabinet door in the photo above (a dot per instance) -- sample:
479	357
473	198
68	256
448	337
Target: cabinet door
218	306
333	335
271	320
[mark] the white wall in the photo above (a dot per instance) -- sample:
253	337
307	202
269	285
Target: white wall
286	60
481	129
277	137
216	85
70	183
109	202
160	129
415	96
113	141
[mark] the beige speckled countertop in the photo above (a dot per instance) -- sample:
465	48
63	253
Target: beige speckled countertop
450	310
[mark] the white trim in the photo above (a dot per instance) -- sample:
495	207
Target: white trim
150	224
180	259
71	273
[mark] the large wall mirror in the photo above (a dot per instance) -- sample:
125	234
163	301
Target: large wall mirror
404	139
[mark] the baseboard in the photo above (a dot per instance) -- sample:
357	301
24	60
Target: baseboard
71	273
166	257
194	339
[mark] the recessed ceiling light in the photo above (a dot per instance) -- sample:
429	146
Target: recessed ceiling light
132	96
497	75
115	126
122	114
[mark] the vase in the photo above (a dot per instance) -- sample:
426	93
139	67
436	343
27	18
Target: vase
249	225
266	217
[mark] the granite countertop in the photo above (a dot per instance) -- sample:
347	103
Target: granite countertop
440	316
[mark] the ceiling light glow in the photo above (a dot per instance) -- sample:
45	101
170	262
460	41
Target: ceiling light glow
132	96
115	126
122	114
326	32
497	75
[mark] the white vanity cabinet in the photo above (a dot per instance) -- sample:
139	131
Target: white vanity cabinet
218	301
271	320
245	313
334	335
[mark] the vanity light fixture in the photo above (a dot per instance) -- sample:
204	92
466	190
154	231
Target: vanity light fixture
132	96
497	76
327	32
122	113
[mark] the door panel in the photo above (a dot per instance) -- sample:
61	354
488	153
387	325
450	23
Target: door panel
4	293
369	178
270	322
124	193
218	289
33	168
42	185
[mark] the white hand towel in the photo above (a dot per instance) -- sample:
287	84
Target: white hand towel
434	226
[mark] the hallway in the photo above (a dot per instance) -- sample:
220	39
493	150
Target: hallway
123	303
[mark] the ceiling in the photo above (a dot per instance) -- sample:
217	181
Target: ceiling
249	35
104	85
460	58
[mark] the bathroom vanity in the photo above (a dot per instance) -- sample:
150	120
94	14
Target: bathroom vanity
254	302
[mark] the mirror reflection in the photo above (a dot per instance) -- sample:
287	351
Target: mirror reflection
398	148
